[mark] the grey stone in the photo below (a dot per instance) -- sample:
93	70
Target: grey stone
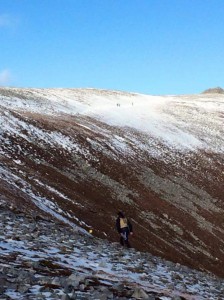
100	296
140	294
78	295
102	264
68	288
24	288
58	281
2	289
82	287
65	297
74	279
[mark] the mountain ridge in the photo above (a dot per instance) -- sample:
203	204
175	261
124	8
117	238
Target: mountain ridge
216	90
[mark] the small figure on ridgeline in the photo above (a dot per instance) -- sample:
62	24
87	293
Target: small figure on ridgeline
124	228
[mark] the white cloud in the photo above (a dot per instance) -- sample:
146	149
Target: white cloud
5	77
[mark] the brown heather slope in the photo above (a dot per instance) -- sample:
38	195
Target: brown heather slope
175	203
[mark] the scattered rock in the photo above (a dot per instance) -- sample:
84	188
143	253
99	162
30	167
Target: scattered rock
140	294
65	297
39	269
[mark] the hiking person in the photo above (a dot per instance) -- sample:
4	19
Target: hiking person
124	228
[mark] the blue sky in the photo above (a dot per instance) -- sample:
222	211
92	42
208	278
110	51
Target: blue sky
146	46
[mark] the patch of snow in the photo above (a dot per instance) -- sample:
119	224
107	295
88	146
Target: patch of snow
153	115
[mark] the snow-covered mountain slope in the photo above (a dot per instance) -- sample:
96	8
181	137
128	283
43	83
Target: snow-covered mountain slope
42	259
83	154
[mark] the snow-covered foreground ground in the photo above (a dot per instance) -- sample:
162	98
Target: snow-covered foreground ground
41	259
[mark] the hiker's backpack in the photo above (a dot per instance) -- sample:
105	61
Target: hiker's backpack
123	223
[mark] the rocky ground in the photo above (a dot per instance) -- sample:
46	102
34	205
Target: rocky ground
44	259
